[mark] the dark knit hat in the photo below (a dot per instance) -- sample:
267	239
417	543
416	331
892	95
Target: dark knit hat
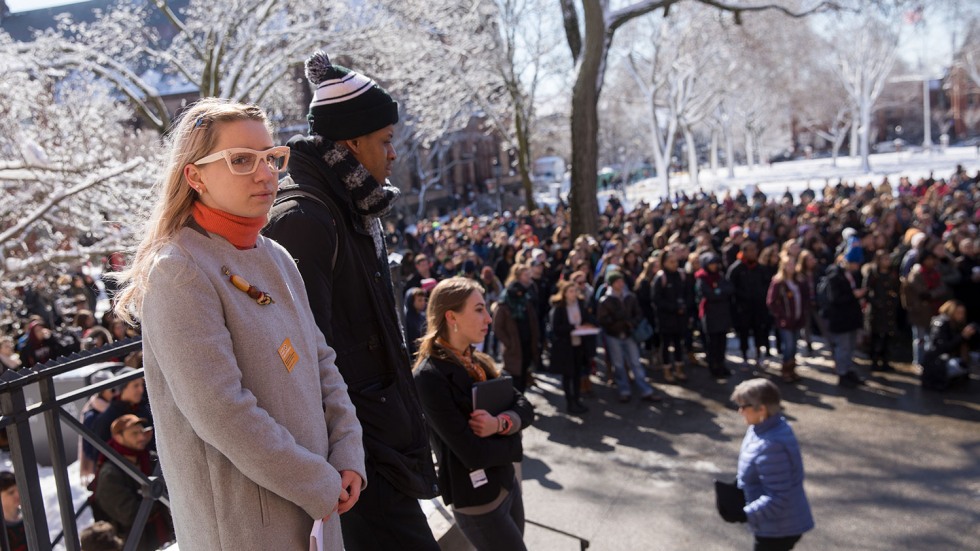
707	258
7	480
346	104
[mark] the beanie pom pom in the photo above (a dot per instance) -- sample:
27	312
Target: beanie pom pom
318	67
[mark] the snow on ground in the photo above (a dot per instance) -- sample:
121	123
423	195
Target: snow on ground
49	491
798	175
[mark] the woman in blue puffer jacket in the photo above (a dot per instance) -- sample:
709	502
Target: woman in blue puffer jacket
770	469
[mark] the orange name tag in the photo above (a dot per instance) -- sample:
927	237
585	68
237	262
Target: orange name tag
288	355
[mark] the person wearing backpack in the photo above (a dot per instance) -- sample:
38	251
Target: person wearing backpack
618	315
843	293
334	232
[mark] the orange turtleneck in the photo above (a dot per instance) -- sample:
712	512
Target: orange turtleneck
239	231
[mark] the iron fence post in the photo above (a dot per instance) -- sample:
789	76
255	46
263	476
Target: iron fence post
25	470
59	465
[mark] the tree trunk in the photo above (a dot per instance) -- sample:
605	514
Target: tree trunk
729	149
585	122
660	153
865	134
524	156
853	146
714	151
749	150
692	156
838	141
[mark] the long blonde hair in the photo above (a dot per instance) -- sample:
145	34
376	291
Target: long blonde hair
450	295
787	269
515	273
193	135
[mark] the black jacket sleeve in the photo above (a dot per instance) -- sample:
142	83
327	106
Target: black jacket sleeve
309	233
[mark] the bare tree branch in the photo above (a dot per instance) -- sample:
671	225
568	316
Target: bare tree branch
56	198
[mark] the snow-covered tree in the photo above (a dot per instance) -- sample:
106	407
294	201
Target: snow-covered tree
441	62
682	80
971	52
865	55
529	54
244	50
590	26
73	170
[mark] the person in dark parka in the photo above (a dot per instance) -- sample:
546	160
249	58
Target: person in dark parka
415	303
334	231
515	322
843	313
751	284
950	336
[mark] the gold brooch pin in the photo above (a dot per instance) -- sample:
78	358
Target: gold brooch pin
244	286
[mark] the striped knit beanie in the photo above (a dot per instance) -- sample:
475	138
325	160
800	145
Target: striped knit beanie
346	104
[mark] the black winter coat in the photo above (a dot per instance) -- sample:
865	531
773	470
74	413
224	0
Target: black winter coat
714	294
446	391
561	337
671	301
644	295
945	342
843	309
883	299
619	316
751	285
350	292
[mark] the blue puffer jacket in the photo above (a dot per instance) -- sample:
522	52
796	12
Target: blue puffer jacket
770	472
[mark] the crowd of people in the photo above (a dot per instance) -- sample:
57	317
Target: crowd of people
857	265
292	272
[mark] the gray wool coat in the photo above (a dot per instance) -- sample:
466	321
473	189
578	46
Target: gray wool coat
251	450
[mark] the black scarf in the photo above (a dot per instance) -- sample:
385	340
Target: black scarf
515	297
372	200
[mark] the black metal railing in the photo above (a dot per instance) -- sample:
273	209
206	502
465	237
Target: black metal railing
15	416
582	542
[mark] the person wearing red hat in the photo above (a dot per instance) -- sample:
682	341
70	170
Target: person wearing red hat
116	495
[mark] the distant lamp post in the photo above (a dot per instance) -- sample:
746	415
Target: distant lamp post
926	116
496	174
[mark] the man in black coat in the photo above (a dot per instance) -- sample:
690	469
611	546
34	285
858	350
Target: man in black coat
328	216
751	316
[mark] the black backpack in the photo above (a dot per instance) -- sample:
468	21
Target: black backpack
823	296
290	192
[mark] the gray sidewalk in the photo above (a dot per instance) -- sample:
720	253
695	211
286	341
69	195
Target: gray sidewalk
888	466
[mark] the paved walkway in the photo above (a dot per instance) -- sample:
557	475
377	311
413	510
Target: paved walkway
888	466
